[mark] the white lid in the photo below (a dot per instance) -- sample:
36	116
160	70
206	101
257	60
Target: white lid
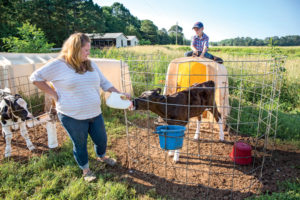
115	101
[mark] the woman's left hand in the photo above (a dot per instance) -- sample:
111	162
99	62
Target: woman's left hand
113	89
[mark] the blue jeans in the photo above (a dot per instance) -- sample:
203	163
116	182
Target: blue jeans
206	55
78	131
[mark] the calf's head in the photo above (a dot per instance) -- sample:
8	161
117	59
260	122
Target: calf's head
16	106
4	92
146	98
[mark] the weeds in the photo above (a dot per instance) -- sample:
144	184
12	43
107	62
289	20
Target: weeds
290	190
148	72
55	175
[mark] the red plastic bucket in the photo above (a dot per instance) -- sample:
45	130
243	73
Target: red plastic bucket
241	153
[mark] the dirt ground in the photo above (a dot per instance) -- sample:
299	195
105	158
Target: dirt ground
38	136
205	169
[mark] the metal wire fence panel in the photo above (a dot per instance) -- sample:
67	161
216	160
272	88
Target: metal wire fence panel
247	91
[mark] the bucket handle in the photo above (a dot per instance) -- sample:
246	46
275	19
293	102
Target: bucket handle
164	131
160	131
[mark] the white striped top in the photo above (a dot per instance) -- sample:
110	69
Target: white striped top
78	94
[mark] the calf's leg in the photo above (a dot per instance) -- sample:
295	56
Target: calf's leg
15	126
171	152
8	137
176	156
25	135
196	136
221	133
174	153
219	120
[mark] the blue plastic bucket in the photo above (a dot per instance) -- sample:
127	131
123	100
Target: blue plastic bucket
170	136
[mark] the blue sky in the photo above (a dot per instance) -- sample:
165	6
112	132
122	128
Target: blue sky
222	19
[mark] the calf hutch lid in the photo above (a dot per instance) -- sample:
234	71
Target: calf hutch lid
15	69
184	72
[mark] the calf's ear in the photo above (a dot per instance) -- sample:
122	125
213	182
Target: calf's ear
22	103
158	90
8	102
17	96
7	90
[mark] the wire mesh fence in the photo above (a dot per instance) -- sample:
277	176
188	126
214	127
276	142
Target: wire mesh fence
20	140
246	93
252	87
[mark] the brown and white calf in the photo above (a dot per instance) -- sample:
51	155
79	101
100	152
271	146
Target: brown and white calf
14	113
177	108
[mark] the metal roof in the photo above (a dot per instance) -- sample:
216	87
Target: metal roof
130	37
104	35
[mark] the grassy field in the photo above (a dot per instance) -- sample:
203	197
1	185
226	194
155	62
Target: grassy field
171	51
289	103
56	176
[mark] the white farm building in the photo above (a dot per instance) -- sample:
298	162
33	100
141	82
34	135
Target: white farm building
132	40
101	40
108	40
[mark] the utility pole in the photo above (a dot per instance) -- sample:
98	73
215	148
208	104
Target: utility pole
176	31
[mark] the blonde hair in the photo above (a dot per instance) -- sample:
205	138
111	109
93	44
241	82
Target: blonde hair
71	52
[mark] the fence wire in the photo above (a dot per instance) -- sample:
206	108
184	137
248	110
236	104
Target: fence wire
253	92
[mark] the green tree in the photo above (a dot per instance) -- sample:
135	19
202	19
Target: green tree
144	42
117	18
89	18
30	40
9	20
163	36
132	30
149	31
176	31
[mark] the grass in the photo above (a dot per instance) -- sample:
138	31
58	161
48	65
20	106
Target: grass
55	175
289	104
36	102
290	191
291	51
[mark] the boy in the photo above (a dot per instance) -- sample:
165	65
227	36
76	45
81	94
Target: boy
200	44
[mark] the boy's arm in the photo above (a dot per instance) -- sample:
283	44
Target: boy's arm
194	49
204	51
205	48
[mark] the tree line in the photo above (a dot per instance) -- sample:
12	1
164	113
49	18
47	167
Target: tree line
59	18
290	40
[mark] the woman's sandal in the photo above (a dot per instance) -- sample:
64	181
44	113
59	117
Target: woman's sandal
110	161
89	176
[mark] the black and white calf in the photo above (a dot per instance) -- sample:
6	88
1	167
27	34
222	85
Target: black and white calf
14	113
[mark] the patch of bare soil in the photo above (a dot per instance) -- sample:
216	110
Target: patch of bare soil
38	137
205	169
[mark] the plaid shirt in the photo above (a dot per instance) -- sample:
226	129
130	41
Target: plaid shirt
199	43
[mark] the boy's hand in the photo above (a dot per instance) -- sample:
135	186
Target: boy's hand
195	53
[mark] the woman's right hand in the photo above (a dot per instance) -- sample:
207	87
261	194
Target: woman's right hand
42	85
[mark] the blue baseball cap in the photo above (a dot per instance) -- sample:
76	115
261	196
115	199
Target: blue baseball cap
198	25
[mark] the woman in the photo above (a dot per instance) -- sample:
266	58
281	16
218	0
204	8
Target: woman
76	81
